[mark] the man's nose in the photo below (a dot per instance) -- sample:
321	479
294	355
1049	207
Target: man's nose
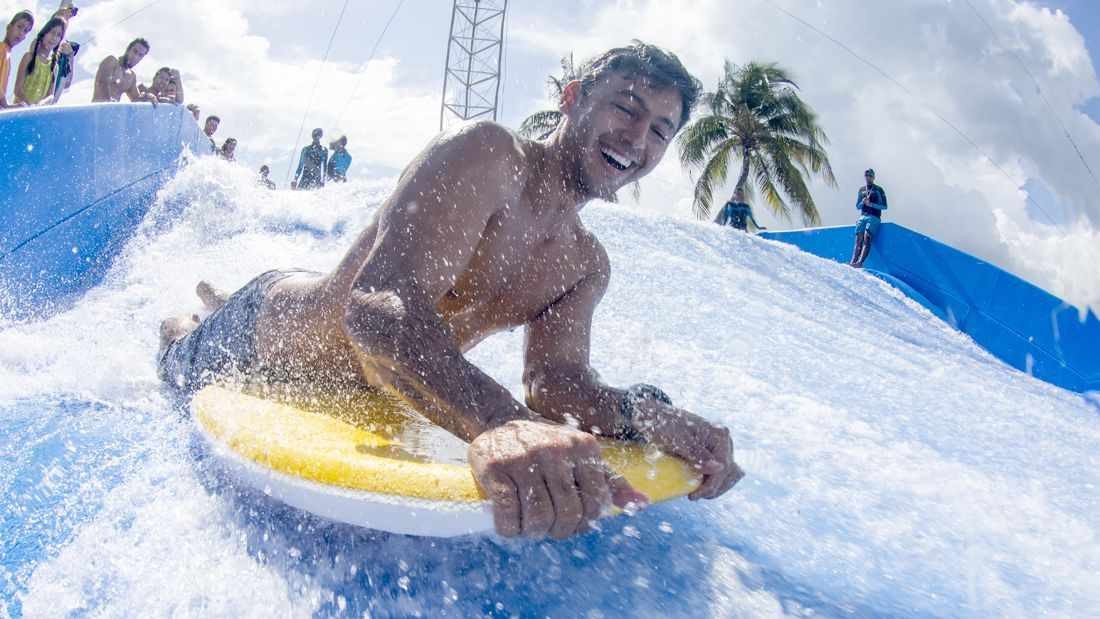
634	136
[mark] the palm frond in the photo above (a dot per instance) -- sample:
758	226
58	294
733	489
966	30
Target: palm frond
713	174
540	124
764	178
699	138
794	185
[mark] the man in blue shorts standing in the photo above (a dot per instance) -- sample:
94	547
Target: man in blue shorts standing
871	201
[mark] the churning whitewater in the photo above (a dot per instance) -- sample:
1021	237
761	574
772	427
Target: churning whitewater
893	467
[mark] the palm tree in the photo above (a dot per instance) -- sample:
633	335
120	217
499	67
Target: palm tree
756	117
542	123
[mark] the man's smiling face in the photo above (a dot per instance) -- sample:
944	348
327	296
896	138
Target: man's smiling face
618	131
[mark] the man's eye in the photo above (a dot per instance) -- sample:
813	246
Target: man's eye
625	110
658	133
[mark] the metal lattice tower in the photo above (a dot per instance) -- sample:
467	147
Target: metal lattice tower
471	83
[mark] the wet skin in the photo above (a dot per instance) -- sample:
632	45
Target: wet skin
115	77
482	234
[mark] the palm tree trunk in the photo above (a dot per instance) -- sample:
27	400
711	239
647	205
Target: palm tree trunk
741	180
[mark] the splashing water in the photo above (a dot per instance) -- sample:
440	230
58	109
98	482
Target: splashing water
894	468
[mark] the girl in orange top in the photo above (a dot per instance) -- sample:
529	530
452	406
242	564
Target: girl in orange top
18	29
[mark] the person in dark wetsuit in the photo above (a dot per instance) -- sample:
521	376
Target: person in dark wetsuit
311	165
737	213
871	201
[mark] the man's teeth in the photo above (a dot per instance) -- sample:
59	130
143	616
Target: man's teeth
617	158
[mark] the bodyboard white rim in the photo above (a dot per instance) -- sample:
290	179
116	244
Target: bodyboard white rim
382	512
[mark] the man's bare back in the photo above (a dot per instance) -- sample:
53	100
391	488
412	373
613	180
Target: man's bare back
482	233
525	258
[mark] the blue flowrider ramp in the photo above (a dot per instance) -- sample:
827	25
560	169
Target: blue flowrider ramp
74	184
1019	323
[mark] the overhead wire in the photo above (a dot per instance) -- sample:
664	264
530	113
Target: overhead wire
909	92
147	5
316	82
370	57
1039	90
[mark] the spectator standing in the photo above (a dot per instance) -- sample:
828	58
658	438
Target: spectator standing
34	80
737	213
18	29
339	161
311	164
264	180
116	75
871	201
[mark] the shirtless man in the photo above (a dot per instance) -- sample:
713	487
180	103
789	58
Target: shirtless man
116	75
482	234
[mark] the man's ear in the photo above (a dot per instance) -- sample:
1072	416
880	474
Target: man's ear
570	95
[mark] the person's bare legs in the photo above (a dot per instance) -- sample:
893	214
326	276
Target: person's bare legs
172	329
213	298
857	251
864	250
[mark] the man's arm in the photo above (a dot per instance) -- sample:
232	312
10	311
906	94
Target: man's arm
537	476
561	385
301	164
136	95
426	234
102	89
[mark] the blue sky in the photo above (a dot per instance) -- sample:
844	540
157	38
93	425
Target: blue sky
1021	191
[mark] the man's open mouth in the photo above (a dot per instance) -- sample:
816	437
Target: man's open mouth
616	160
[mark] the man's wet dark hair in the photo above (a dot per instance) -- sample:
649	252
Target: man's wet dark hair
662	69
138	41
212	118
22	15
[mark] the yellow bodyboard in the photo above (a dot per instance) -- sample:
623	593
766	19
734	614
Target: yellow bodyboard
371	442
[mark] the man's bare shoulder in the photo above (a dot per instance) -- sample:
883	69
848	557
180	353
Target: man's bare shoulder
484	145
110	62
592	256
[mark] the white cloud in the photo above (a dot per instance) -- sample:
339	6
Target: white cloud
949	63
236	62
231	70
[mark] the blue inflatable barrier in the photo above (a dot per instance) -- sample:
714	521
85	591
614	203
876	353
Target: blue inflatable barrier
74	184
1024	326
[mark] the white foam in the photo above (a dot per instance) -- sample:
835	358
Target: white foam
893	466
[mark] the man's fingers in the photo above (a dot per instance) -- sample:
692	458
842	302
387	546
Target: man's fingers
716	485
735	475
595	493
623	494
502	492
568	508
536	508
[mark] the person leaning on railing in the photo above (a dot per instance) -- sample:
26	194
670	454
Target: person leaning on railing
34	81
18	29
167	86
